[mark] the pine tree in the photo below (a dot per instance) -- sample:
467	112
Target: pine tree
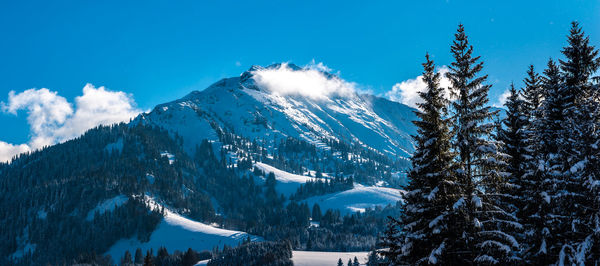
139	258
374	259
316	213
391	241
482	219
533	93
148	260
190	257
340	262
544	178
430	193
581	173
126	260
515	135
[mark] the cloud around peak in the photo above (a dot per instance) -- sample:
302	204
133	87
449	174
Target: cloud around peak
311	81
52	119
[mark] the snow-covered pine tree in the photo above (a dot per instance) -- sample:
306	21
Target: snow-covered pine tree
533	93
544	178
581	227
528	180
513	133
391	241
481	221
425	225
514	136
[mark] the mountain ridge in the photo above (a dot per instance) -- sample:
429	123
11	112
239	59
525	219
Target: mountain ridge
372	121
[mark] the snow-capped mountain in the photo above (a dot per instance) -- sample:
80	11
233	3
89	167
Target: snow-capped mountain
248	106
250	158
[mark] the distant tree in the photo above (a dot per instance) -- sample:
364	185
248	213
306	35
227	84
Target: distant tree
190	257
391	242
374	260
149	260
162	255
126	260
340	262
316	213
139	258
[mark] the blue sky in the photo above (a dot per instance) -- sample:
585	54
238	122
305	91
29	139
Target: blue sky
159	51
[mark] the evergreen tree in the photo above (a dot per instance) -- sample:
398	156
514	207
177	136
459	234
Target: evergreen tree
162	255
483	222
430	193
126	260
544	178
139	258
340	262
391	241
271	192
533	93
528	181
316	213
149	260
579	194
513	133
355	263
374	260
190	257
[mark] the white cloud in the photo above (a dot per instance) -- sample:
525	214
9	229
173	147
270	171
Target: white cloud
7	150
319	66
238	63
406	91
52	118
309	81
46	110
97	106
502	98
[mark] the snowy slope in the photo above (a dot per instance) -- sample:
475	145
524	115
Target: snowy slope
107	206
357	199
176	232
246	107
312	258
287	183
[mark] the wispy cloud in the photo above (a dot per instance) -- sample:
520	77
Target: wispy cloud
407	92
52	119
502	98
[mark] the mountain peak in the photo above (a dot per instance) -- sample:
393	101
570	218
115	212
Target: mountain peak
254	68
